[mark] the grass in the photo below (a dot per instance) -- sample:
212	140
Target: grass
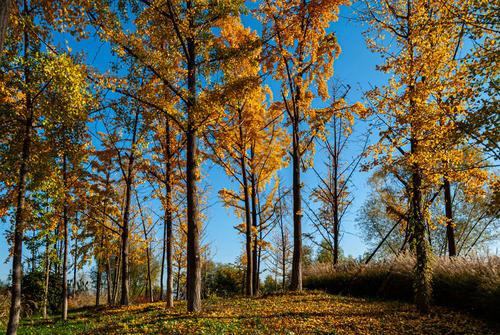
470	284
306	313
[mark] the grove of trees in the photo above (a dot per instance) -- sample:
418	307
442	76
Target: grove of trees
108	169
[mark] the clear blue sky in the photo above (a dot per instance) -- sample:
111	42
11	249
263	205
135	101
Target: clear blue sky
355	66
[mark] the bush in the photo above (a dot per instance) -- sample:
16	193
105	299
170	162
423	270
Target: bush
33	291
471	284
222	280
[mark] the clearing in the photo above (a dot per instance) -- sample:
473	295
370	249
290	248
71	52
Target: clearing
306	313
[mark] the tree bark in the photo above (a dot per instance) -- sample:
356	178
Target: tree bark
193	235
193	228
249	289
47	278
64	311
255	248
450	231
75	261
108	282
98	283
117	267
150	283
336	222
5	8
15	305
167	228
129	181
422	281
296	280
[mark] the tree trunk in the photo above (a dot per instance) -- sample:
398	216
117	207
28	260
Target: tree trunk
118	267
255	248
167	232
249	289
170	277
115	279
125	247
193	234
15	305
450	231
296	281
98	283
163	252
108	282
422	269
5	8
99	273
47	278
178	286
336	222
193	227
283	261
65	241
75	261
129	181
150	284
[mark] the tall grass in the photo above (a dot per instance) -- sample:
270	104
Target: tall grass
470	283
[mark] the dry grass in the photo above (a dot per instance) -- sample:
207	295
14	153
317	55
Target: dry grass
468	283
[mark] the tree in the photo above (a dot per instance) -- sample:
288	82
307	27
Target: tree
280	253
332	193
301	52
183	63
30	75
246	141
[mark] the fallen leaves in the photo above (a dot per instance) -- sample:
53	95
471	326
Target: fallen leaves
301	313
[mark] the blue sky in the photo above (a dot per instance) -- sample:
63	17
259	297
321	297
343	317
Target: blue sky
355	66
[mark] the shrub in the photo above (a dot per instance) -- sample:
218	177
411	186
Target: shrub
222	280
471	284
33	291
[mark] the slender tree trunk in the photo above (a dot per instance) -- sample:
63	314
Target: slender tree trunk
163	252
450	231
98	283
422	269
47	278
193	226
168	215
193	235
5	8
283	258
75	261
177	287
170	277
125	246
150	283
336	222
99	273
249	289
296	281
117	266
15	305
255	248
108	282
129	181
65	241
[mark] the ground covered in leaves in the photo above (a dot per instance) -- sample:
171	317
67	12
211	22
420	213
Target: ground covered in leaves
306	313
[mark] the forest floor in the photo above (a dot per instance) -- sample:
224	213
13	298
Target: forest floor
305	313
